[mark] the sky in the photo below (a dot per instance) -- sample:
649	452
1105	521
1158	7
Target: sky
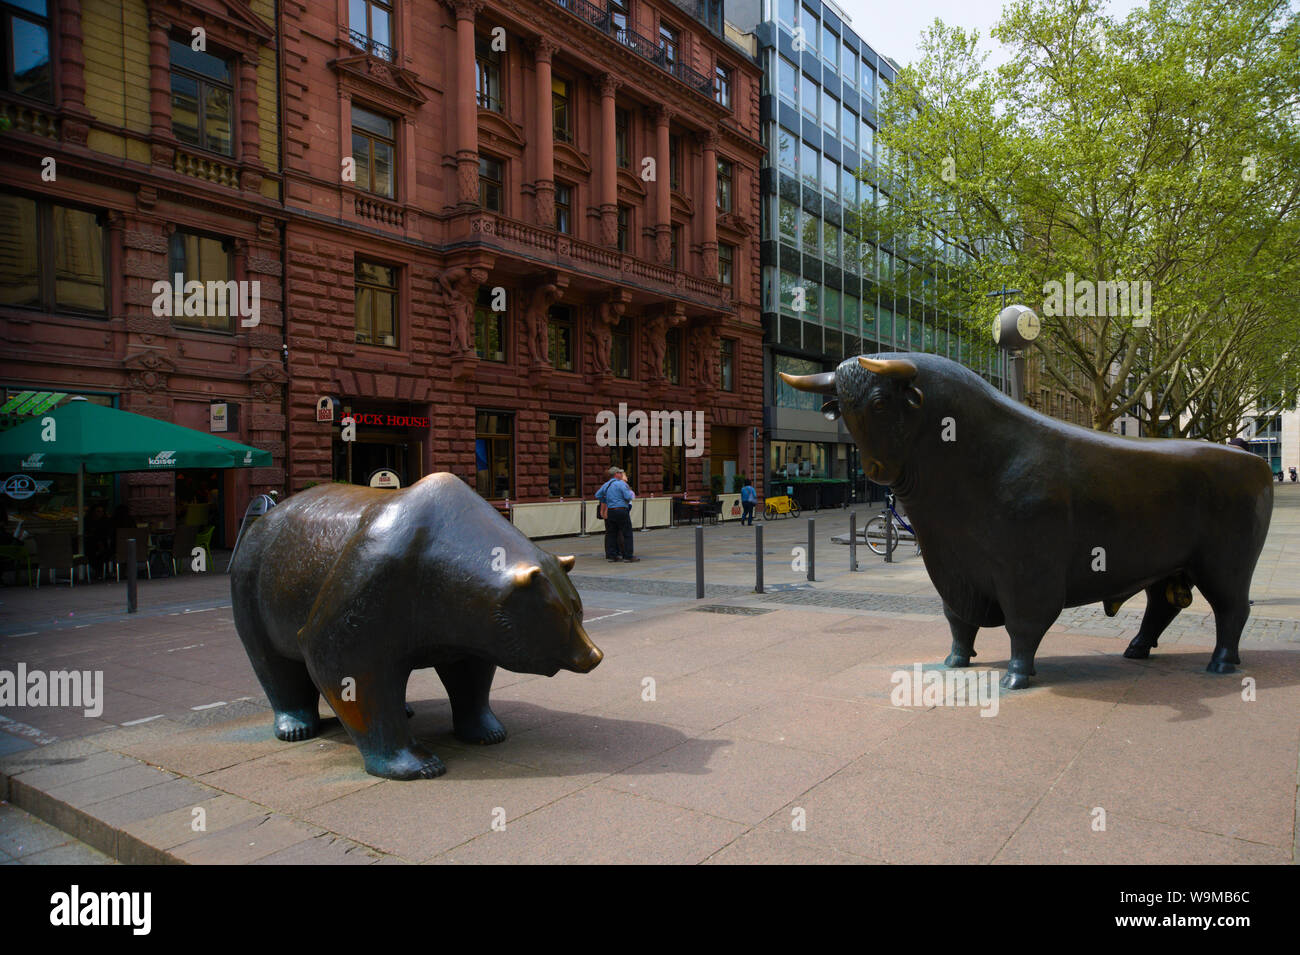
894	28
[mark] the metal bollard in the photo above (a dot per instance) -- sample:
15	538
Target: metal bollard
853	540
758	559
812	554
130	576
699	562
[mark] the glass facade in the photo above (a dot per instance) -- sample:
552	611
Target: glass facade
819	281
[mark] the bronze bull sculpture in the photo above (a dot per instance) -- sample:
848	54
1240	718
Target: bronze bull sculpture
342	591
1021	515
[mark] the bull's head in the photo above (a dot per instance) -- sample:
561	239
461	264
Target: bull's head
881	406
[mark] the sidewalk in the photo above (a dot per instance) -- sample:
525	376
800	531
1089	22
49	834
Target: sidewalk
768	712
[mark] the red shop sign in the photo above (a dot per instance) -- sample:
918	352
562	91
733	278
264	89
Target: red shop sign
390	420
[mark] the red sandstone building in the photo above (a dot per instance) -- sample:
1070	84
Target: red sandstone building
490	222
505	217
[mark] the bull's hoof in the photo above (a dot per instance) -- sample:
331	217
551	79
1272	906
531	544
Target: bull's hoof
1221	666
413	762
483	729
956	660
1014	681
1139	649
294	725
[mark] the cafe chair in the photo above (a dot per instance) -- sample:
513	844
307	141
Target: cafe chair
54	552
183	543
120	558
204	539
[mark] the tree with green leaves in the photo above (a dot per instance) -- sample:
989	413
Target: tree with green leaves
1138	180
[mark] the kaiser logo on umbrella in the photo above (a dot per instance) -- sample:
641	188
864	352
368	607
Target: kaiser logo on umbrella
163	459
33	462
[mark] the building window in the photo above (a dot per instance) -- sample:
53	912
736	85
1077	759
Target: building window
624	456
673	356
376	317
674	468
369	26
788	216
27	68
202	98
200	258
808	20
491	183
559	335
563	466
623	138
669	43
487	80
809	164
726	259
808	99
727	365
675	161
830	176
789	12
373	147
561	115
494	439
849	127
564	208
52	256
489	328
812	227
830	47
618	19
676	247
620	349
787	81
624	228
830	112
724	185
788	149
722	85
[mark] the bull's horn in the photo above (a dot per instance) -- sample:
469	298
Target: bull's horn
524	575
567	562
823	384
889	367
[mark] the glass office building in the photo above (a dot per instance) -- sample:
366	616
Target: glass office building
821	302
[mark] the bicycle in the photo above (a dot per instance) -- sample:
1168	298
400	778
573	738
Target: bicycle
784	504
885	531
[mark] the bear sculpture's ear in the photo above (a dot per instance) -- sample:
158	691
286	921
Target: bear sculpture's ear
567	562
526	575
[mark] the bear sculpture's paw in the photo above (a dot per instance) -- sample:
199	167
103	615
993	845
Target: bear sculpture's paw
484	729
412	762
292	726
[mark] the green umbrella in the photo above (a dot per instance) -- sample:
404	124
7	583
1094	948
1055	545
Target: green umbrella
81	437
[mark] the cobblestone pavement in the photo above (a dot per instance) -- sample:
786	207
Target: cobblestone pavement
1091	620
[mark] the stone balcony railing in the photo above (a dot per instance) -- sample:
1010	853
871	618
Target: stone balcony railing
379	211
23	118
564	251
209	170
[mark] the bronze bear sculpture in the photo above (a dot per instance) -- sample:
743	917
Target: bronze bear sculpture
1021	515
342	591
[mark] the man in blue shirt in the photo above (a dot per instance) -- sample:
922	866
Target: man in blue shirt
748	498
617	498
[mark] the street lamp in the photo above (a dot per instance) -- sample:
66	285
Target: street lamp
1014	328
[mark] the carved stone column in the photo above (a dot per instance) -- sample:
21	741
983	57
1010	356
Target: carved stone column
160	90
708	211
607	168
249	139
544	137
466	103
663	188
72	74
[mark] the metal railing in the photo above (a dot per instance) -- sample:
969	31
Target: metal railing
643	46
373	47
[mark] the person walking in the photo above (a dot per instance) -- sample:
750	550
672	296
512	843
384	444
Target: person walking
617	497
748	498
